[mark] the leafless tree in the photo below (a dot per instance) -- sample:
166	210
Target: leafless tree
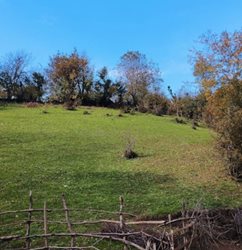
13	72
139	75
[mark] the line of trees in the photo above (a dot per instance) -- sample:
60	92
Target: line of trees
70	79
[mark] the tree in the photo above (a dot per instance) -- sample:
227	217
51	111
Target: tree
39	82
186	104
106	90
33	89
175	104
13	74
139	75
155	103
218	69
70	78
85	79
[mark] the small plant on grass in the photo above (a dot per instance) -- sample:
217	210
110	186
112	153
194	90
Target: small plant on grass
194	124
86	112
71	104
180	121
132	111
129	152
45	111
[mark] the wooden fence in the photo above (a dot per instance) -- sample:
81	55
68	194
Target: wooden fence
33	229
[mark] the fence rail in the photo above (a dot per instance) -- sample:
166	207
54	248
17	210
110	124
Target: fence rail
166	234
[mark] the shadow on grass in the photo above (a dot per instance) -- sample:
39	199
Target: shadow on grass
118	182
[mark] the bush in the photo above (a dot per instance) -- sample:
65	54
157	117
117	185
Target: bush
230	142
180	121
71	105
154	103
86	112
142	109
32	105
125	109
129	152
159	111
132	111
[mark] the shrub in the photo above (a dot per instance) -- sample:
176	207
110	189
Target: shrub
142	109
129	152
180	121
86	112
132	111
32	105
125	109
154	103
230	142
71	105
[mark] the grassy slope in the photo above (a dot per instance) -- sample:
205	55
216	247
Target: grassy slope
81	155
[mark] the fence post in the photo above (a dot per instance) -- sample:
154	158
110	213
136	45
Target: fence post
69	226
171	234
45	225
28	240
183	224
121	217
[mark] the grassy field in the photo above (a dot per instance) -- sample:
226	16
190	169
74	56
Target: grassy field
81	155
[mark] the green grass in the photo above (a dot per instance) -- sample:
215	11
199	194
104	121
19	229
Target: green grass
81	155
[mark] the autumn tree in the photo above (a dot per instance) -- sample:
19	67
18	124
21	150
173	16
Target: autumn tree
218	69
70	78
139	75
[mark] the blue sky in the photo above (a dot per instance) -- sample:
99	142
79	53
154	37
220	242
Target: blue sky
164	30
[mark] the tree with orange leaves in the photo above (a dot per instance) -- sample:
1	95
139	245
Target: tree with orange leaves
218	69
70	78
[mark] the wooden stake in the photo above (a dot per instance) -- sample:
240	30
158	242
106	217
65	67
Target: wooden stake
28	240
183	225
171	234
121	218
68	221
45	225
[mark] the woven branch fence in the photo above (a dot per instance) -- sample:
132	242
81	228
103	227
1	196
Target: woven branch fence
32	229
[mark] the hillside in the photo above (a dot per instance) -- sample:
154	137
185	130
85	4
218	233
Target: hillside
81	155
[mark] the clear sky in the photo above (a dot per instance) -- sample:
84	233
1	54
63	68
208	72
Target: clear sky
164	30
